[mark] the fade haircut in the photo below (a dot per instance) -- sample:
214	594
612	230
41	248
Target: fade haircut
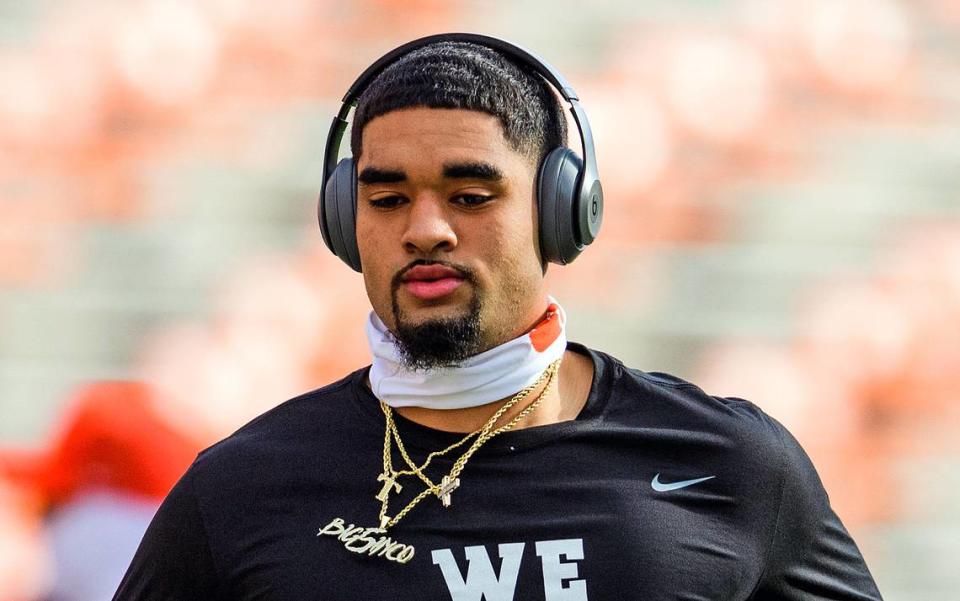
464	75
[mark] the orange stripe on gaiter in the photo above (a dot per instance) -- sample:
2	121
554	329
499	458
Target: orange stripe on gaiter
547	331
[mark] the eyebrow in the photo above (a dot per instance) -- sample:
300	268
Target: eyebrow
472	170
373	175
468	170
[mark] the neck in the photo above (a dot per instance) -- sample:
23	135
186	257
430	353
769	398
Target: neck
562	402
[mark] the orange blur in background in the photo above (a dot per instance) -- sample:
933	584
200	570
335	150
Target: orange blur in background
782	224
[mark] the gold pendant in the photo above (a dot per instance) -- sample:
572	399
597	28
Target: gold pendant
361	540
389	482
447	486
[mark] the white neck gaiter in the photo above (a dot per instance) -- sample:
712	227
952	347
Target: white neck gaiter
492	375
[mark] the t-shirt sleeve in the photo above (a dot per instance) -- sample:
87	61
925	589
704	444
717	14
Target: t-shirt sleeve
811	554
174	560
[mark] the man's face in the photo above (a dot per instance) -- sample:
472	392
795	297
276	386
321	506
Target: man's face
447	231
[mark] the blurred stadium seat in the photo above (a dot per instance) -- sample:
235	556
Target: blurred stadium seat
781	187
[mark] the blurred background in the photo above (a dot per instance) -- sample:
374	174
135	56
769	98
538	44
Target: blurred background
782	224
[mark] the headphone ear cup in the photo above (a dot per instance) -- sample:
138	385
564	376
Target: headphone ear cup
557	204
338	213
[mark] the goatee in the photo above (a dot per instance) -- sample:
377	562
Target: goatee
438	343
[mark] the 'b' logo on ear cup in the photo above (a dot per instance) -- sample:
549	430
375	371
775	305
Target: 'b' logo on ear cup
591	216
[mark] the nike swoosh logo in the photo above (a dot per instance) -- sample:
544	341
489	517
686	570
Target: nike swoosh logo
664	486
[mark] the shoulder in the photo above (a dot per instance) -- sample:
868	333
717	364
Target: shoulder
666	402
667	398
285	429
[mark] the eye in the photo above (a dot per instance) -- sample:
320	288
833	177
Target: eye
387	202
472	200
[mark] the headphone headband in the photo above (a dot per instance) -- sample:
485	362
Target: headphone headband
513	51
519	54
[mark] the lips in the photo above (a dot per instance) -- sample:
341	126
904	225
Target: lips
430	282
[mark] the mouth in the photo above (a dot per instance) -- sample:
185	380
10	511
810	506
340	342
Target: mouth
431	282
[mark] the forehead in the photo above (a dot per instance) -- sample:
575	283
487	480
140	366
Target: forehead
429	136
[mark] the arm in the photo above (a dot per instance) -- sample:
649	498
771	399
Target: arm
174	560
811	555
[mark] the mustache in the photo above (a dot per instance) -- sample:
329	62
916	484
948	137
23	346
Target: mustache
468	274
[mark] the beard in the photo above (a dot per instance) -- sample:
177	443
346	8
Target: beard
438	343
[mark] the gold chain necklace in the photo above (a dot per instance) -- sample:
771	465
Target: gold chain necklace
414	469
358	539
419	470
451	481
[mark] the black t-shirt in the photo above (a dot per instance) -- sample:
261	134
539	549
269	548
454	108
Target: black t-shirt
656	491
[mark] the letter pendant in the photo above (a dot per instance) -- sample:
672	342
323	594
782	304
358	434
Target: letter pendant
389	482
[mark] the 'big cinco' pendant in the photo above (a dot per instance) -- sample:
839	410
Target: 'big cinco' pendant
361	540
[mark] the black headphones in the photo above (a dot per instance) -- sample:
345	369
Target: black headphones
569	195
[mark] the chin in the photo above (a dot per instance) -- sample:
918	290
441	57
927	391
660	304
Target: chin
430	314
414	310
411	312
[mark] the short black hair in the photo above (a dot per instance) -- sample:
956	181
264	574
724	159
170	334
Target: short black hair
465	75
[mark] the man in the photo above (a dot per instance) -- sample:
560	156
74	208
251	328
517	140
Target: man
481	456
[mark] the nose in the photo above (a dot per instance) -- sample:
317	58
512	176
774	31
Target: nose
428	228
